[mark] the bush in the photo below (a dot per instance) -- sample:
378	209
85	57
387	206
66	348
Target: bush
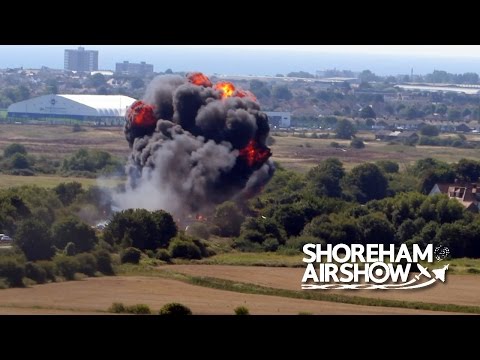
104	262
298	242
184	249
270	244
198	230
117	308
35	272
49	267
334	144
357	144
246	246
253	236
141	228
138	309
388	166
77	128
70	249
14	149
87	264
33	237
241	310
175	309
67	266
163	255
131	255
74	230
150	254
13	271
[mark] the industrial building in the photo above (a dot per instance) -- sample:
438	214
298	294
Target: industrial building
81	60
127	68
95	108
279	119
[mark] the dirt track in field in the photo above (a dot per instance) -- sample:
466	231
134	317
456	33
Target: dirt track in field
97	294
458	289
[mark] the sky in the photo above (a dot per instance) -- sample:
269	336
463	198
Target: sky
261	59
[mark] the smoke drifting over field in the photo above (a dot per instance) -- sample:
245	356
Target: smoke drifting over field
194	144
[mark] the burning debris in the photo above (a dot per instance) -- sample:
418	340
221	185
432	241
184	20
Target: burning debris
194	145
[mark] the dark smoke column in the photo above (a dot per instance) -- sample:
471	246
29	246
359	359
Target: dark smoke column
194	144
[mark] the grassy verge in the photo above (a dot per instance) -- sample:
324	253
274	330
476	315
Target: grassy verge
254	259
246	288
47	181
38	307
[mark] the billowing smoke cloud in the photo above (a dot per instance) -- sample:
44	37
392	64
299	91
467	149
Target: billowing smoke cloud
194	145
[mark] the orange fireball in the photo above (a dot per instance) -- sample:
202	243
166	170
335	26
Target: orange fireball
254	154
226	88
197	78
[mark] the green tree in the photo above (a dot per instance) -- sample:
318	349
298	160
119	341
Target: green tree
228	218
19	161
366	182
388	166
376	229
34	239
325	178
357	143
145	230
97	80
367	113
76	231
281	92
131	255
430	130
68	192
137	83
345	129
165	227
367	76
441	109
468	170
291	218
454	115
13	149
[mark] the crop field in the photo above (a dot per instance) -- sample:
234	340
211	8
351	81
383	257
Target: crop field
95	295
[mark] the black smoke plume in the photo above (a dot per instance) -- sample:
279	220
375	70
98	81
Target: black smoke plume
194	145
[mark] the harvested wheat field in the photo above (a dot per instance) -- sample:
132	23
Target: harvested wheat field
458	289
95	295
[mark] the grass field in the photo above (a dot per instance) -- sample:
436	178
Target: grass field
96	295
7	181
58	141
301	154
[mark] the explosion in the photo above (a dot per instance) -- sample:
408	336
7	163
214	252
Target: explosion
226	88
194	145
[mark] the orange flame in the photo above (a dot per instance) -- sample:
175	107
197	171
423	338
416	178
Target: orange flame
141	114
197	78
226	88
246	94
255	155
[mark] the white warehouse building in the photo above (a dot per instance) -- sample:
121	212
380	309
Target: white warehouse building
279	119
81	107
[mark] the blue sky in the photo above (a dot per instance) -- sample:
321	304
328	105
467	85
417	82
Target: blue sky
261	59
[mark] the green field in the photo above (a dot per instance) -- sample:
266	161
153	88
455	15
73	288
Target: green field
49	181
301	154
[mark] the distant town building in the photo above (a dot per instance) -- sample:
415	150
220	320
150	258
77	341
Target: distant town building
279	119
466	193
127	68
81	60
